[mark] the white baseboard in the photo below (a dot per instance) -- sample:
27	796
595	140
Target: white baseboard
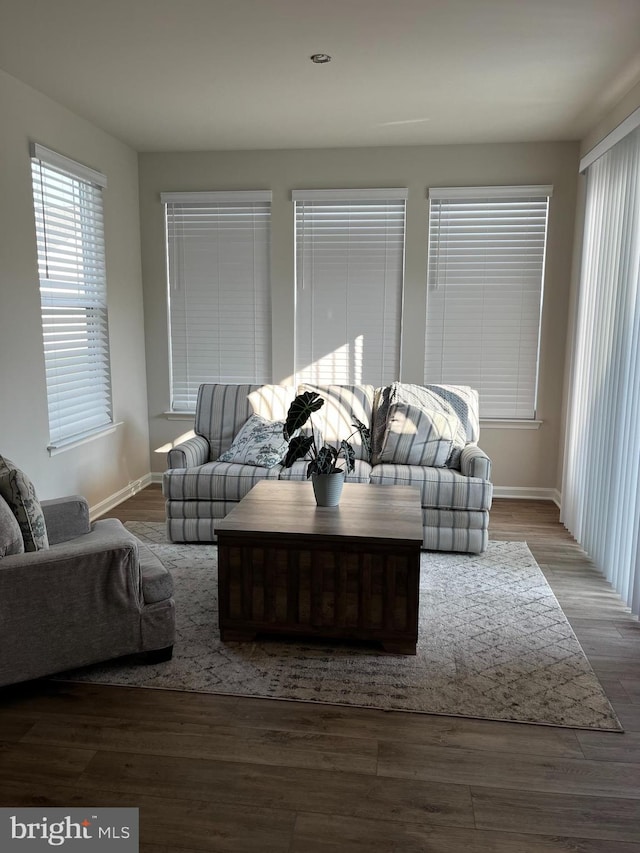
156	476
530	493
118	497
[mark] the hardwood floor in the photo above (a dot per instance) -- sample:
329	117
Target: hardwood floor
219	773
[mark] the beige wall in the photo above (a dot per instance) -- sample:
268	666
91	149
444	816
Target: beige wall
104	466
615	116
523	459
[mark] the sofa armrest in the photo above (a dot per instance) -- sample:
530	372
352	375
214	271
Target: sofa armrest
190	453
66	518
474	462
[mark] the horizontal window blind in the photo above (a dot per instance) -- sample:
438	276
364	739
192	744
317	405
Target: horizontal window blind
349	278
219	291
73	295
484	300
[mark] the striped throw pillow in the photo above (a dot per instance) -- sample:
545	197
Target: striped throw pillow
417	436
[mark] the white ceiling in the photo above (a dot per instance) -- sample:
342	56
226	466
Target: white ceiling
176	75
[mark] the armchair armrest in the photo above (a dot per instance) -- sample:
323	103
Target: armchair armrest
192	452
474	462
69	605
66	518
105	536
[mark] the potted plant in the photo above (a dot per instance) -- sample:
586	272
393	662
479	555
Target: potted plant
323	468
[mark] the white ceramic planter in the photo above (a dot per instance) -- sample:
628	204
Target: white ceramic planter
328	488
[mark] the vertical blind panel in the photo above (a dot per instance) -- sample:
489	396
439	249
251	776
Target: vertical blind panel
601	485
219	295
485	274
349	273
73	295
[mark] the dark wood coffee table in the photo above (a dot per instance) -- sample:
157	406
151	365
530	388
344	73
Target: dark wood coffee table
289	567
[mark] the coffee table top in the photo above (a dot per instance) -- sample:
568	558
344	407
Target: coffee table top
366	511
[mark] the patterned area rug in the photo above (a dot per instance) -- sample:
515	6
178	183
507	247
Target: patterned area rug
493	643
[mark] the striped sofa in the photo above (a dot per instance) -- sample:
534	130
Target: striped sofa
456	496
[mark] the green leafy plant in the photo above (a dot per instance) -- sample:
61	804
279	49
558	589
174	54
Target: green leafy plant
323	459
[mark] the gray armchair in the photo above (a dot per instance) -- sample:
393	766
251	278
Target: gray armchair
94	594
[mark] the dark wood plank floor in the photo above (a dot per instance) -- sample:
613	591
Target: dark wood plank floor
219	773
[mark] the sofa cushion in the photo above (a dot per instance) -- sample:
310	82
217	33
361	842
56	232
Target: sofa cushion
259	442
298	471
222	410
459	405
19	493
215	481
11	541
443	488
343	403
418	436
272	401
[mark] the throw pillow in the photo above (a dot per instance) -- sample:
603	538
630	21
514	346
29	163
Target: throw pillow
462	400
18	491
259	442
416	436
379	426
454	402
11	541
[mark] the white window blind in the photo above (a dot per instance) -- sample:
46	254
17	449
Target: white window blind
219	293
349	276
73	294
484	299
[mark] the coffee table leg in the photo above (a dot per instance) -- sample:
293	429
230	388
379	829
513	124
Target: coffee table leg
400	647
234	636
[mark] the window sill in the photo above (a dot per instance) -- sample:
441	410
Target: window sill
509	423
179	416
54	450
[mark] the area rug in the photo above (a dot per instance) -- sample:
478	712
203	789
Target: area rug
493	644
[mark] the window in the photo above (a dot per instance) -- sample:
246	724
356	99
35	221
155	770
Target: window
349	273
484	298
73	294
219	295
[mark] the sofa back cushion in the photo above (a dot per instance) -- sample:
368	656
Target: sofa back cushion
343	403
222	410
